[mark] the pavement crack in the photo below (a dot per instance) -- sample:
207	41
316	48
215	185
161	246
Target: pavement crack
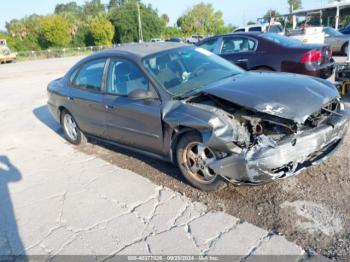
212	242
60	214
255	247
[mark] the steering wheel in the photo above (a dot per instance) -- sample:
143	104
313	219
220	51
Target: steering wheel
199	69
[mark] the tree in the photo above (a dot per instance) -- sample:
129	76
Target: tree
294	5
201	19
55	31
82	37
26	27
171	32
165	18
270	13
94	8
24	33
71	7
227	29
102	32
125	21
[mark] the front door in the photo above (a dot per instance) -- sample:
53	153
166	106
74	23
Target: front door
135	123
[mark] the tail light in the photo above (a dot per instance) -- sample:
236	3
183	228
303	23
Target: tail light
312	57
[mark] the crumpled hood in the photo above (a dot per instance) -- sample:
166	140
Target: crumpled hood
289	96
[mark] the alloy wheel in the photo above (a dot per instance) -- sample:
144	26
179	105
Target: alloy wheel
197	159
70	127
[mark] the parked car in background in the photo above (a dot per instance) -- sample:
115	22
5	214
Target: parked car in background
186	105
155	40
338	41
272	52
345	30
276	27
175	40
194	39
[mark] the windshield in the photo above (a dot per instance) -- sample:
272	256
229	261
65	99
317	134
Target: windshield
282	40
332	32
186	70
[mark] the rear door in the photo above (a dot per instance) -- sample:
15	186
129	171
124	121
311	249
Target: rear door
135	123
239	50
85	100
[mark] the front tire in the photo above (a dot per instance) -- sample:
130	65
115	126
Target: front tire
71	130
193	158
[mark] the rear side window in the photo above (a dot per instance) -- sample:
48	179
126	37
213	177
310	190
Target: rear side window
255	29
209	45
240	30
282	40
90	75
238	45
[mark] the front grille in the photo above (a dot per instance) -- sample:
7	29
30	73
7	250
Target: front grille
323	114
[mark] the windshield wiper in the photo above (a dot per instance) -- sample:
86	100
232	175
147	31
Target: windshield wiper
186	94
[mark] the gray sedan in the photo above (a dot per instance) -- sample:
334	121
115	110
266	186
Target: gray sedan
184	104
338	41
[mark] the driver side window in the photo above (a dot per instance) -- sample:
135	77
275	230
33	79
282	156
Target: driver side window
124	77
237	45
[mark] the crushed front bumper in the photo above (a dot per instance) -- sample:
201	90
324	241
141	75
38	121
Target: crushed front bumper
265	163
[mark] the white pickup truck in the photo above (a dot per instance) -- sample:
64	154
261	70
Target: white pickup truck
308	35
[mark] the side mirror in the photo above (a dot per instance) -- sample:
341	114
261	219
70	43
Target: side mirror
141	94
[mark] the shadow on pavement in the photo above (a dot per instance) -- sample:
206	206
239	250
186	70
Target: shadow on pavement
42	113
10	241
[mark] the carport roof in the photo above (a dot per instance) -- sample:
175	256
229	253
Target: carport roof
328	9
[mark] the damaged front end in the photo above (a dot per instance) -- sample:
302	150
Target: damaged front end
256	147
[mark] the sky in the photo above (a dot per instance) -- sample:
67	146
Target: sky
234	12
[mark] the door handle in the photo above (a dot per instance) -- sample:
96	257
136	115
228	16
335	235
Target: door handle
242	60
109	107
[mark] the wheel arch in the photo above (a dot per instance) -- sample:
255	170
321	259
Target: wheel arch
344	46
61	109
176	134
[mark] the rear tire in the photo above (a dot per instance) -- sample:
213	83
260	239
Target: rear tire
71	130
193	158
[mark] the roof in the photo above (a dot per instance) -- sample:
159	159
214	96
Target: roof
144	49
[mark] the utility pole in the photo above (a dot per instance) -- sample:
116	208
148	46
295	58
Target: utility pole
140	23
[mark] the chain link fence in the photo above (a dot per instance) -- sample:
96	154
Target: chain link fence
62	52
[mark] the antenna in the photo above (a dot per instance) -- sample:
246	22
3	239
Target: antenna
140	23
